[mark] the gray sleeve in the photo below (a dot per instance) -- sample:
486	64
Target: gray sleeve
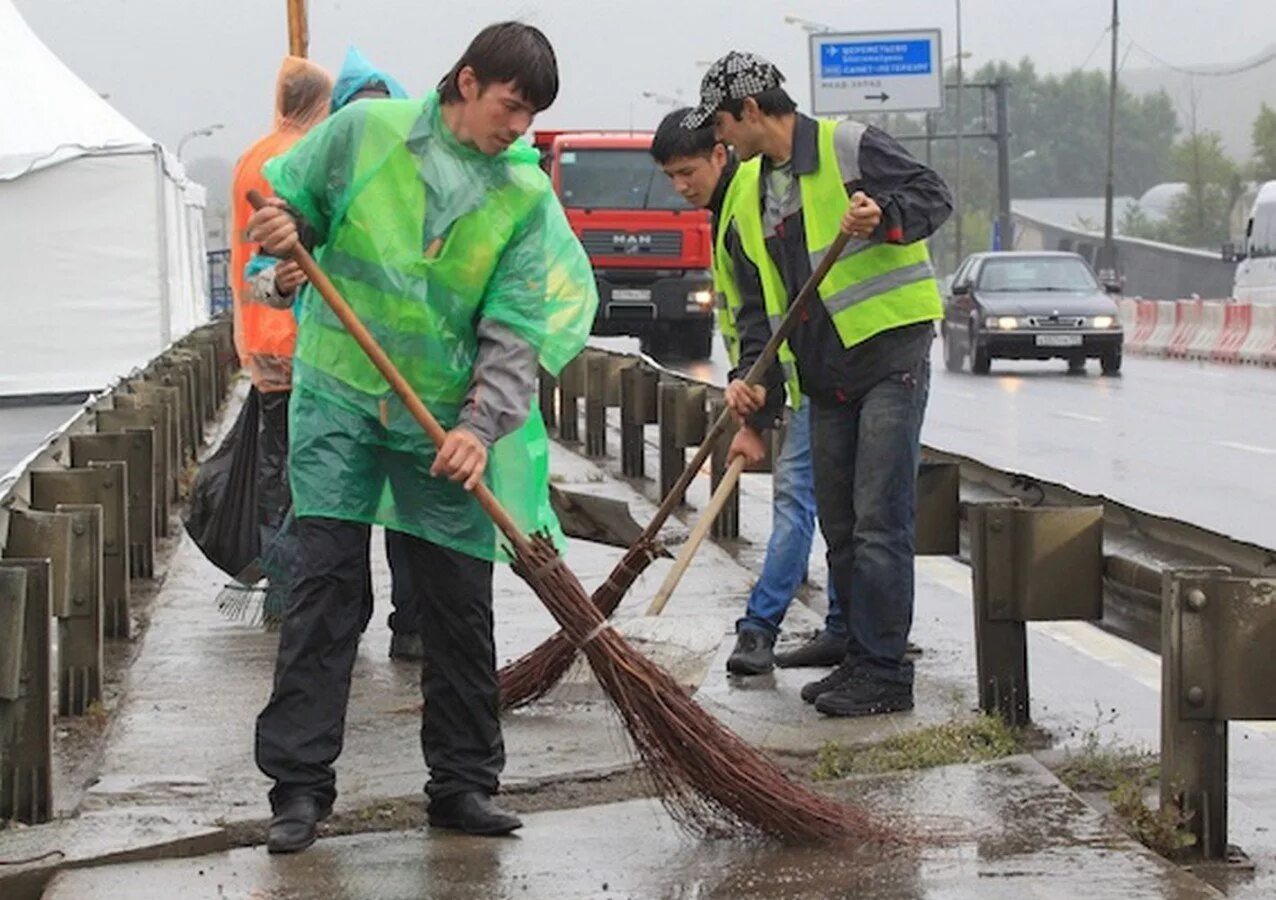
263	289
915	201
500	396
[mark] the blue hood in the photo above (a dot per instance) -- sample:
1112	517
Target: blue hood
356	74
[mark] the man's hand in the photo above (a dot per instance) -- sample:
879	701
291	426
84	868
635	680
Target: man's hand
749	444
273	227
745	399
288	277
461	458
863	217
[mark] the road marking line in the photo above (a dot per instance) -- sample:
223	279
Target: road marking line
1081	417
1248	448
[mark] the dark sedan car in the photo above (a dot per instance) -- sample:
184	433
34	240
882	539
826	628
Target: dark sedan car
1017	305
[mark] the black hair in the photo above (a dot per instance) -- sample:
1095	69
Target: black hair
772	102
508	51
672	141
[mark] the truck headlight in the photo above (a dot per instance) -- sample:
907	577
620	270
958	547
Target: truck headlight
1103	321
699	300
1007	323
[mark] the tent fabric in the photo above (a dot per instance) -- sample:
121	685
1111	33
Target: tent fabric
101	233
49	114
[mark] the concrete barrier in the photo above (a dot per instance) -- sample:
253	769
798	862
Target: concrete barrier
1237	319
1210	331
1187	322
1260	346
1166	321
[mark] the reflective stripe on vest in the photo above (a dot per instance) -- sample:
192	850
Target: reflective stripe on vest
873	287
729	293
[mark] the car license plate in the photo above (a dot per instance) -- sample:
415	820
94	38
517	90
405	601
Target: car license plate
631	294
1058	340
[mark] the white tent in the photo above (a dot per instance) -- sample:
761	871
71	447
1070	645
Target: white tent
102	261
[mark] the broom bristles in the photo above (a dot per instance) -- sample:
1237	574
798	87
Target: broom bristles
709	779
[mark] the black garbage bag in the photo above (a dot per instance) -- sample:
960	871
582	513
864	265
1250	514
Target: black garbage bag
223	515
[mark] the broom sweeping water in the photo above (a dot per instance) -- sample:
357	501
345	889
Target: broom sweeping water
534	674
709	780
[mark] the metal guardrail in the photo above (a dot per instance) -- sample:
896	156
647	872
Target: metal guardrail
78	527
1038	552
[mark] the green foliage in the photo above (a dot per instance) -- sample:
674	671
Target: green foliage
979	739
1263	138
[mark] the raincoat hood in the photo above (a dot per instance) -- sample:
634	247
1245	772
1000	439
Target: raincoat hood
302	90
356	74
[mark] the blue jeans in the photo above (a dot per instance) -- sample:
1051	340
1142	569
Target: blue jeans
792	528
866	456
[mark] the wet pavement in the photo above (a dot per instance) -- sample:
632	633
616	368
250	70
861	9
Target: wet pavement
179	754
1001	830
1189	440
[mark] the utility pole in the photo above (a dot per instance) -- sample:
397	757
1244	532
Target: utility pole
298	29
1109	261
1005	226
957	205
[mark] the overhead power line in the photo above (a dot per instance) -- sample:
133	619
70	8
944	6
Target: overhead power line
1206	73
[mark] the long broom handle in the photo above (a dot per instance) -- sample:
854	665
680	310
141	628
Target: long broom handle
683	562
394	378
754	376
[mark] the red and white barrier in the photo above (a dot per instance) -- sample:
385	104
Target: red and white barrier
1187	322
1210	332
1259	347
1138	318
1166	322
1237	318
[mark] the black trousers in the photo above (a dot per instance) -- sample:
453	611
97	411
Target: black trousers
299	733
405	596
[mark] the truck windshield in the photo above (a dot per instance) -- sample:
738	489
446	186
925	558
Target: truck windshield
615	179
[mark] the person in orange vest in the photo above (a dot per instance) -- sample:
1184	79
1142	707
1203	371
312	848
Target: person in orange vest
264	336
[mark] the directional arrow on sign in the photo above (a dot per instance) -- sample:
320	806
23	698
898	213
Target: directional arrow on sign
881	98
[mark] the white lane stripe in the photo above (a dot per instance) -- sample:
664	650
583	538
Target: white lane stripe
1141	665
1081	417
1248	448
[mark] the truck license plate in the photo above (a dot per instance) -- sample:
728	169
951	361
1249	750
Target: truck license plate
1058	340
631	294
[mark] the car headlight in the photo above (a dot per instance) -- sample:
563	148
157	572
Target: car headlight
1006	323
1102	321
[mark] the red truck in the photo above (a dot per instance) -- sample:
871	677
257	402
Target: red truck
649	248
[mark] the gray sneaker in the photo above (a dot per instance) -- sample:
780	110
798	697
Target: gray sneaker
754	653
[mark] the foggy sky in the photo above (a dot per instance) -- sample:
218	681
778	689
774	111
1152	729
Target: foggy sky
175	65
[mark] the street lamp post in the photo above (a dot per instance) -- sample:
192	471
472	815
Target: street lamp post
206	131
957	210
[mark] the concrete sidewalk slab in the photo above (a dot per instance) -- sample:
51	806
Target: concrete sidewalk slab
1010	831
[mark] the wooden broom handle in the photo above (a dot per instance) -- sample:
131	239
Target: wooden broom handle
681	564
759	368
394	378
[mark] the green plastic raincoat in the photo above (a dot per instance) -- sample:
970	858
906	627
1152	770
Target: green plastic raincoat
424	237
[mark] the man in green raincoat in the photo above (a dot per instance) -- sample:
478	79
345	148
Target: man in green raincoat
438	227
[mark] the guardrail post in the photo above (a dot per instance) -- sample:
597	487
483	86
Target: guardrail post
1028	565
146	412
597	369
136	447
26	691
104	484
548	388
571	385
938	530
1217	634
80	626
637	410
726	525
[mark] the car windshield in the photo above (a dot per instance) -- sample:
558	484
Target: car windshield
1037	273
615	179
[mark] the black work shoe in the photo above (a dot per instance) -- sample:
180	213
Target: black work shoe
472	812
825	649
847	670
407	647
754	653
867	696
294	825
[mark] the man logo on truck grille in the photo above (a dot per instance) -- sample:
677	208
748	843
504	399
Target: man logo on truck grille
631	244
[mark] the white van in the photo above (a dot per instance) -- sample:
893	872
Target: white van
1256	272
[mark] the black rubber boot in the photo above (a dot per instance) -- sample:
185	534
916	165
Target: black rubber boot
474	813
295	825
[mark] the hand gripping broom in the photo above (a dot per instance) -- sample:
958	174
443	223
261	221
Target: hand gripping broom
709	780
536	672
